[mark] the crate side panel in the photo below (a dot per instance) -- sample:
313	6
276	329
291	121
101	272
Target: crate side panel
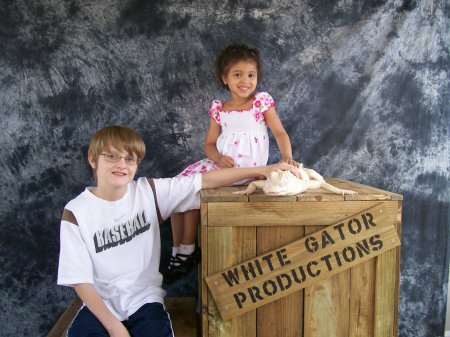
283	317
289	213
362	298
326	310
228	246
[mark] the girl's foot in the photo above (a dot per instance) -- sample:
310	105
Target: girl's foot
180	265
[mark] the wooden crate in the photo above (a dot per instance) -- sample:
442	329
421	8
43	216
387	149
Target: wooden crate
360	301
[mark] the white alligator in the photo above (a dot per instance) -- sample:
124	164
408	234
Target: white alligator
281	183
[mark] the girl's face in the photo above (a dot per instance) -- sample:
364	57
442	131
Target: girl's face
242	78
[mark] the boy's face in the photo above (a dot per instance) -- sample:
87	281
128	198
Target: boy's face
113	177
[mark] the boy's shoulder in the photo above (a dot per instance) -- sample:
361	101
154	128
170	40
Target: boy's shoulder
176	185
78	200
87	200
87	196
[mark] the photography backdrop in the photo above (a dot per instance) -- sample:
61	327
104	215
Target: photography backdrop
362	88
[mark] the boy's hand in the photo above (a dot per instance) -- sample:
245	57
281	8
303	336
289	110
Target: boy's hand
283	166
119	330
225	162
290	161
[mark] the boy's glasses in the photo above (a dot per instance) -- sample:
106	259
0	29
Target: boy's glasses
114	158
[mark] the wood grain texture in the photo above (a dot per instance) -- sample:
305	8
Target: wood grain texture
251	290
362	299
288	214
283	317
348	303
227	246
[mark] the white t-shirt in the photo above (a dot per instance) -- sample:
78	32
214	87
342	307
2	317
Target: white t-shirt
116	246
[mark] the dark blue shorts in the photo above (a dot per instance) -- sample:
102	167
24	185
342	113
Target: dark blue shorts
151	320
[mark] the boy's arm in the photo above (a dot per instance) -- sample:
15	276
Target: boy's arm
95	304
228	176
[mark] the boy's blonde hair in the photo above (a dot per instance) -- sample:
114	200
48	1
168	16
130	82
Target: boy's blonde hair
121	137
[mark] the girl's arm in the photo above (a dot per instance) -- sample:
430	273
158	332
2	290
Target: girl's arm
213	179
95	304
210	147
281	136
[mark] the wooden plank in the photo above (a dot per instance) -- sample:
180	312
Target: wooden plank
362	296
364	189
320	195
260	196
263	279
324	195
283	317
326	307
385	300
224	194
63	323
289	213
387	289
397	276
226	247
203	269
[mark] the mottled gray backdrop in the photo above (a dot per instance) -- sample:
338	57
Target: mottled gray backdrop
362	88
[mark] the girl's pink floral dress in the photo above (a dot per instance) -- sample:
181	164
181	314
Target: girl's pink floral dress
244	135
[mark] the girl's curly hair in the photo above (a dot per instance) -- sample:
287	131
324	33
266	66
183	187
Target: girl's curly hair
234	53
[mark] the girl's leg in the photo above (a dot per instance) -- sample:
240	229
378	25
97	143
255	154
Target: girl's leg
86	324
187	256
152	319
176	221
191	219
188	242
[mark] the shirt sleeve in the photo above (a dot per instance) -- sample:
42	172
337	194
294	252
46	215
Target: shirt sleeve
75	264
214	110
178	194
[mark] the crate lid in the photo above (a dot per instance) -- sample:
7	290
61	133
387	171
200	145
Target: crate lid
365	193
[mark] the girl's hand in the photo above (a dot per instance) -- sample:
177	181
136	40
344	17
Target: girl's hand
290	161
283	166
225	162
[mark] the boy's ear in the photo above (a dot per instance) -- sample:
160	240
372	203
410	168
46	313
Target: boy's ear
92	162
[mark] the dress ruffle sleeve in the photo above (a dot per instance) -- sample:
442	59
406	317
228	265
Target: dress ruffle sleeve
261	103
214	111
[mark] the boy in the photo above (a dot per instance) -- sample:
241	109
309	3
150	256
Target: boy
110	240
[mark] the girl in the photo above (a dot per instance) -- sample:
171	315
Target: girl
237	137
